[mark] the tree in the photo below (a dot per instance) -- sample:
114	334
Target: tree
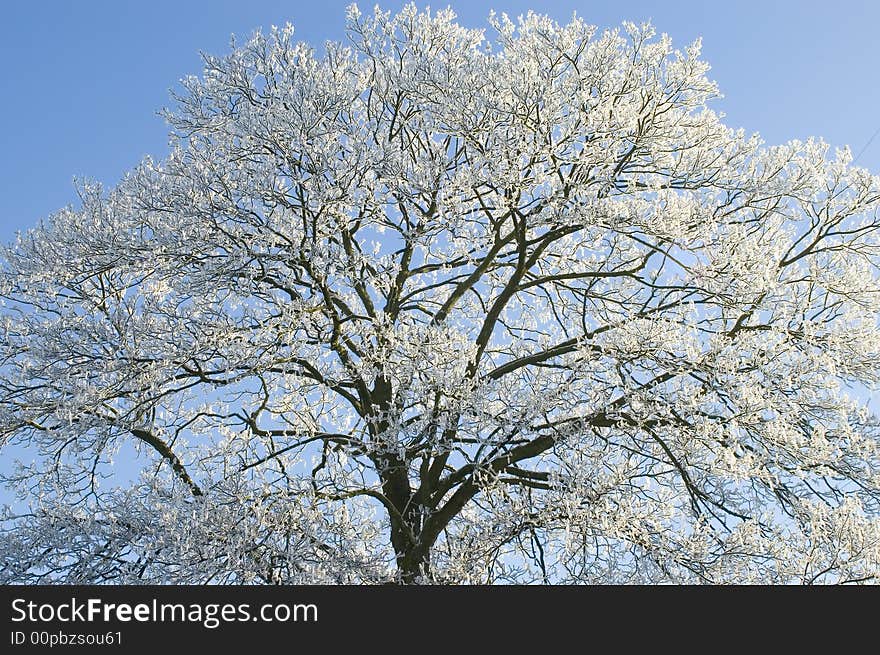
432	307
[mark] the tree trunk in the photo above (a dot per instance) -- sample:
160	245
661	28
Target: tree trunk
405	514
413	564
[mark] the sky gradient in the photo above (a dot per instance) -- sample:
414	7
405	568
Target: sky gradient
82	81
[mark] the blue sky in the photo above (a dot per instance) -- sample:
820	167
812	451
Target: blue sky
82	81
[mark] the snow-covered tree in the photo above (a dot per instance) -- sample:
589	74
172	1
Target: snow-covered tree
449	305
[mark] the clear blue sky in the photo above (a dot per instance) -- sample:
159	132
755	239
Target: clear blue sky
81	81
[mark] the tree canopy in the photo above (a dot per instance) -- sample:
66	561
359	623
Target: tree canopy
449	305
